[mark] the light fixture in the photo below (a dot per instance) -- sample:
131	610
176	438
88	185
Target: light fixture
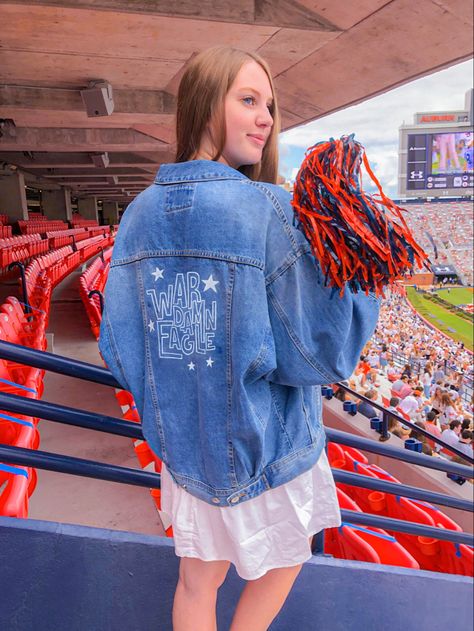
7	127
98	98
101	160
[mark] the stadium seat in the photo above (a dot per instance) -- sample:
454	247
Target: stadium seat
15	492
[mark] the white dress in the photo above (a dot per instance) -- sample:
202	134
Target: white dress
268	531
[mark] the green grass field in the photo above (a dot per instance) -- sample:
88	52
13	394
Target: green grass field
443	319
456	295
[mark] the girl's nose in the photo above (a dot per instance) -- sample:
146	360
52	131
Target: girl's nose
265	118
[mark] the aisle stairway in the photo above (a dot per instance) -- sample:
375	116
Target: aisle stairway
72	499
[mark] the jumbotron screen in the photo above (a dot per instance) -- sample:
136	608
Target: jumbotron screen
440	161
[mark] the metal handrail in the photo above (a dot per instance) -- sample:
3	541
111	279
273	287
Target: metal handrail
400	490
137	477
390	451
409	424
69	416
90	420
57	363
97	374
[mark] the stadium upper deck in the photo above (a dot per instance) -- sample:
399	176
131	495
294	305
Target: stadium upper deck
324	55
449	226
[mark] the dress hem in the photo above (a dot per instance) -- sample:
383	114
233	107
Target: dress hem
194	555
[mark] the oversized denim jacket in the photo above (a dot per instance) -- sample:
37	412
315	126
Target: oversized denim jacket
218	322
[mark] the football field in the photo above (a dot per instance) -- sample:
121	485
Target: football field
453	325
457	295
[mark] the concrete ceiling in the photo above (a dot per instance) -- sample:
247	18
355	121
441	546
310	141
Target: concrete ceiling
325	55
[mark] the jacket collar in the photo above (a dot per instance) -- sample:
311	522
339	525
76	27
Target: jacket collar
196	171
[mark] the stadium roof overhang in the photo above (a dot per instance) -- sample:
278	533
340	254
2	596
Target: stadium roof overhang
325	56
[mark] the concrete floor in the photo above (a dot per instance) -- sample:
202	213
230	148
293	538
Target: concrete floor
72	499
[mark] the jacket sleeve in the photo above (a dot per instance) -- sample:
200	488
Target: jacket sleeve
318	335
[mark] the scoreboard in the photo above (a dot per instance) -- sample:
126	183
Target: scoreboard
436	154
442	160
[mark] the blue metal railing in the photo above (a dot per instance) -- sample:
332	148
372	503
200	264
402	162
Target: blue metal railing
137	477
388	413
97	374
77	466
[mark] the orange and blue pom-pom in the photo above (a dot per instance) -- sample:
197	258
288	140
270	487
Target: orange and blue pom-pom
361	242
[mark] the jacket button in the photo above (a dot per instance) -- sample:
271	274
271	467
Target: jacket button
215	500
234	500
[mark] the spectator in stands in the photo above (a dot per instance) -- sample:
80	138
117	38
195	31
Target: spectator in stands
437	385
365	408
340	393
447	411
435	400
431	426
393	374
373	360
412	404
363	370
393	404
426	380
453	393
399	383
407	370
406	388
466	424
465	442
451	434
426	448
383	359
397	429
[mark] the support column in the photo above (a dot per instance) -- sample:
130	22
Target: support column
57	204
110	213
87	207
13	196
122	210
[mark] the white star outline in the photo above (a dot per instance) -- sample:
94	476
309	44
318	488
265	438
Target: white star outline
158	273
191	365
209	362
210	283
151	326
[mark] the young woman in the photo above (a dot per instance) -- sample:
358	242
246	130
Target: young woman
383	358
218	321
426	380
447	410
435	401
407	370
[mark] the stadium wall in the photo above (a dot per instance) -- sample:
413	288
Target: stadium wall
420	279
63	576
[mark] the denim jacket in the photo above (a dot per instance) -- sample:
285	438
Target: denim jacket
218	322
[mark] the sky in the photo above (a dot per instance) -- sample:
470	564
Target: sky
376	122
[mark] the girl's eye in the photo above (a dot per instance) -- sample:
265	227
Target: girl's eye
249	100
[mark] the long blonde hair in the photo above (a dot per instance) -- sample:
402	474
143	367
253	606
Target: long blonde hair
201	95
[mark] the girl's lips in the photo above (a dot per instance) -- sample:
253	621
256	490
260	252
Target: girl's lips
259	140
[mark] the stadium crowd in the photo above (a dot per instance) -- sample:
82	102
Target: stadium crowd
426	373
448	226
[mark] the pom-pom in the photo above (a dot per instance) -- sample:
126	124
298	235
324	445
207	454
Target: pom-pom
361	241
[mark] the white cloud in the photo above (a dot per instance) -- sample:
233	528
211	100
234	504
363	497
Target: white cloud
376	122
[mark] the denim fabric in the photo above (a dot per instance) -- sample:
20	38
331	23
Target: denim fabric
218	321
